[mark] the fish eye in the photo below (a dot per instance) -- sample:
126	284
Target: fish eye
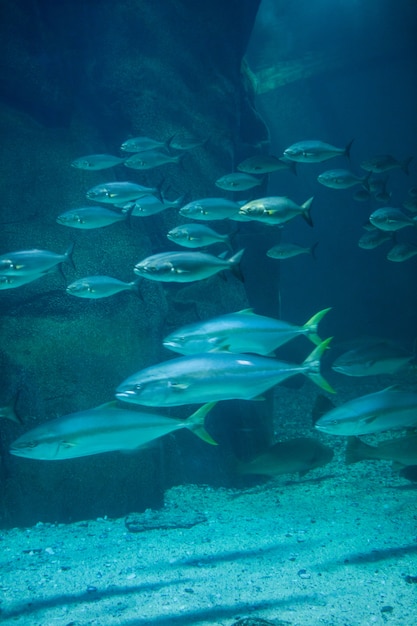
138	387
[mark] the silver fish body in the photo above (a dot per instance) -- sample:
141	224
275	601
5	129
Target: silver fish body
242	331
238	181
150	205
385	162
86	218
276	210
30	262
373	359
388	409
402	252
214	376
15	280
106	428
210	209
95	287
341	179
95	162
315	151
196	236
141	144
118	192
290	250
265	164
151	158
374	238
391	219
185	267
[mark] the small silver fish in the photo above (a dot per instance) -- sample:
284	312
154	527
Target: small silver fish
276	210
402	252
150	205
388	409
374	238
96	162
90	217
384	163
196	236
14	281
95	287
208	209
375	357
30	262
185	267
265	164
185	142
289	250
238	181
342	179
119	192
151	158
141	144
391	219
315	151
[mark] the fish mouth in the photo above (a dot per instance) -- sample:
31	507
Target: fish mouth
127	393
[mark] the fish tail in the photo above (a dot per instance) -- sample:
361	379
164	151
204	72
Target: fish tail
348	147
312	366
195	423
68	255
311	326
357	450
234	264
313	250
404	164
9	412
306	211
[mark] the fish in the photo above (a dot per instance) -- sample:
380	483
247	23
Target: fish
196	236
97	162
385	162
342	179
389	409
265	164
151	158
374	238
391	219
276	210
105	428
315	151
87	218
208	209
14	281
141	144
242	331
31	262
299	455
238	181
185	142
402	252
402	451
95	287
210	377
289	250
373	359
150	205
117	192
9	411
185	267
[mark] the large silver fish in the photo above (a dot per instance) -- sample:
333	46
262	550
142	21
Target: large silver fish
315	151
342	179
91	217
150	205
372	359
185	267
25	262
13	281
215	376
388	409
118	192
238	181
95	287
96	162
289	250
384	163
141	144
242	331
106	428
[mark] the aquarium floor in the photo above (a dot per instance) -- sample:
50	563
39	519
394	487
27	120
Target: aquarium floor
334	548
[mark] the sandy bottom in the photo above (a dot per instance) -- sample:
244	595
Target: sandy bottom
338	548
